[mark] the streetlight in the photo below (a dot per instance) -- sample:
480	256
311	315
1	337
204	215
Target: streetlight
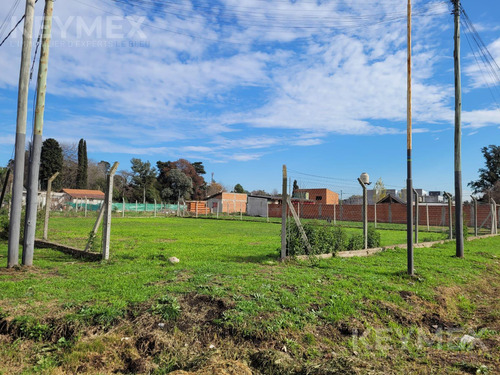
364	180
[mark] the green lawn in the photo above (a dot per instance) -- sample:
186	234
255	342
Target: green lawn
261	302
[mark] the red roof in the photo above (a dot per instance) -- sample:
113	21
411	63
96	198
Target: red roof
83	193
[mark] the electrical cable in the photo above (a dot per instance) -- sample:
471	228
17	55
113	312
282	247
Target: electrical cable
14	28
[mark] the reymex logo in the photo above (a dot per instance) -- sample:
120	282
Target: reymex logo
99	27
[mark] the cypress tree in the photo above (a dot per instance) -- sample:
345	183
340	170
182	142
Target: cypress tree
81	173
85	166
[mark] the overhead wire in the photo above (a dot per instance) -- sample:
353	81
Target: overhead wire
14	28
489	66
221	40
8	16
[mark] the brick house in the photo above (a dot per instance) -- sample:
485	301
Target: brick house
227	202
81	196
323	196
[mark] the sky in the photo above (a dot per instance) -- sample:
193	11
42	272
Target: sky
246	86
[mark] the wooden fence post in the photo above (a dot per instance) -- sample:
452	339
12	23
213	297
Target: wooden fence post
416	215
427	215
108	203
48	201
474	217
450	221
283	214
493	216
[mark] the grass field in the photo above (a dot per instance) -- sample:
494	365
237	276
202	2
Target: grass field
230	304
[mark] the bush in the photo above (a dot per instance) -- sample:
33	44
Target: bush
356	242
323	238
373	238
4	224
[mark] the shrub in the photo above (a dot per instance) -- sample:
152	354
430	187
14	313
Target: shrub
323	238
373	238
356	242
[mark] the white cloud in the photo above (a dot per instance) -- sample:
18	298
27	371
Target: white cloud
223	79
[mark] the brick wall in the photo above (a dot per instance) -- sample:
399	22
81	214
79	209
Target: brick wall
387	213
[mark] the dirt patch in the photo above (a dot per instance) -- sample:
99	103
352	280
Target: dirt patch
350	327
219	367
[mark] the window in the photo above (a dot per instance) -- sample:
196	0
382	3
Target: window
319	197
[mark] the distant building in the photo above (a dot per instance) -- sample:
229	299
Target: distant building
323	196
81	196
435	197
257	205
227	202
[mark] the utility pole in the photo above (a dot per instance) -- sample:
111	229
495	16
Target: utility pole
22	112
459	234
409	184
36	147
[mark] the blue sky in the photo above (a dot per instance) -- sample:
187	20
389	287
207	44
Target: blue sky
246	86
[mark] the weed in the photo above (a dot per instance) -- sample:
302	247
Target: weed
104	316
31	328
167	307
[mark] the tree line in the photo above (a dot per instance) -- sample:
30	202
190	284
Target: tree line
168	181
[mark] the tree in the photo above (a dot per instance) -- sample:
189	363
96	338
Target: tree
178	185
238	189
81	175
198	167
199	184
260	192
379	191
51	161
295	188
214	188
70	165
143	180
489	177
97	174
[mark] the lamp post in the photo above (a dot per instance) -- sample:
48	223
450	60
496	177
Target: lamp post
364	180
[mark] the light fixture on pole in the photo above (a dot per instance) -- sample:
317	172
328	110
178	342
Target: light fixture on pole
364	180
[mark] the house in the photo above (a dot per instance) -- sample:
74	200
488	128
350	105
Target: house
227	202
390	198
82	196
257	205
323	196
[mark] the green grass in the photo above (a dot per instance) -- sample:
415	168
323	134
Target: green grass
236	262
225	259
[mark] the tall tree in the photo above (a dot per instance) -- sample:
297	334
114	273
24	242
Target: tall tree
489	177
51	161
177	185
70	165
379	191
295	188
143	180
81	176
199	167
199	184
238	189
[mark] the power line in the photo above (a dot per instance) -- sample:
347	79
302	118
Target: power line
9	15
14	28
268	26
491	68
